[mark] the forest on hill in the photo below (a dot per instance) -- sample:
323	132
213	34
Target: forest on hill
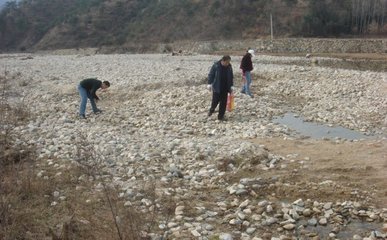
51	24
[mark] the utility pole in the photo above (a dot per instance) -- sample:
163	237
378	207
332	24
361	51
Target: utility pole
271	26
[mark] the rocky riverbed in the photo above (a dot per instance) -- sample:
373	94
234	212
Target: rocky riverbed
228	185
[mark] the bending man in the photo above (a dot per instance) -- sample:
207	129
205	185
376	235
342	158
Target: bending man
87	90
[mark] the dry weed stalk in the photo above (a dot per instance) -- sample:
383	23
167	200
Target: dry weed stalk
129	222
92	163
17	167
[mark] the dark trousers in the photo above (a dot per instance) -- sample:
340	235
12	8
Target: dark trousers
221	99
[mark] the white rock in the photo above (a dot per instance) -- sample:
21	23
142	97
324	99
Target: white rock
250	230
328	205
241	216
209	227
172	225
56	194
247	211
357	237
244	204
299	202
289	226
263	203
196	233
385	227
269	209
271	220
235	222
323	221
225	236
179	210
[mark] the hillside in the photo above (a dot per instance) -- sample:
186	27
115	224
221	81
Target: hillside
51	24
2	3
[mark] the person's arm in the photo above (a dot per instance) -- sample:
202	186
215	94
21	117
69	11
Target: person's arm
243	65
93	91
232	80
251	65
211	75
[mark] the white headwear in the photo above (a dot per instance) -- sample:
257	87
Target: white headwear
251	51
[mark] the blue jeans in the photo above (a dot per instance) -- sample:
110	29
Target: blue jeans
246	85
84	96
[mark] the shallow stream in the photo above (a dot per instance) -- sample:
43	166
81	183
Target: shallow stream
316	130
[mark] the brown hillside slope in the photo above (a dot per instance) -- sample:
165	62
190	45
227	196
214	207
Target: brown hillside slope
44	24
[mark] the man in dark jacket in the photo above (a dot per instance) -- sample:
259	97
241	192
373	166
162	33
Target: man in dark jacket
220	80
247	67
87	90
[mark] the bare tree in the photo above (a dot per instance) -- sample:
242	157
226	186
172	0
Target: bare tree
368	12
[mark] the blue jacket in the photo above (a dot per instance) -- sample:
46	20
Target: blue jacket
214	77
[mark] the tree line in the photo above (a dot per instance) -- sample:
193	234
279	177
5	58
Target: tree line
366	13
105	22
333	18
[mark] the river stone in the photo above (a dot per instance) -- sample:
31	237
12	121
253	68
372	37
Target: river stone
179	210
328	213
177	145
377	235
293	213
235	222
196	233
271	220
307	212
312	222
299	202
247	211
250	230
225	236
323	221
289	226
241	192
373	216
263	203
269	209
328	205
244	204
241	216
172	225
209	227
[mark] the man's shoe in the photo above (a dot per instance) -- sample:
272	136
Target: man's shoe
98	111
210	113
82	116
243	92
222	119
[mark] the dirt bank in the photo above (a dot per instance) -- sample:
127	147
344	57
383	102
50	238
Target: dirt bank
355	168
